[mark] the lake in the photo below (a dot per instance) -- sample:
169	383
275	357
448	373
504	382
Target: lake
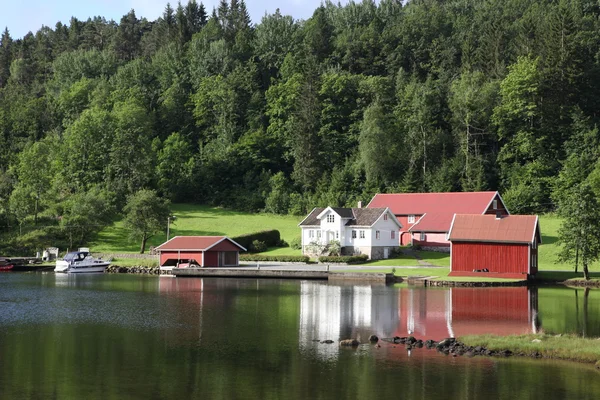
112	336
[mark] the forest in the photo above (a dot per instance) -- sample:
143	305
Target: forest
282	115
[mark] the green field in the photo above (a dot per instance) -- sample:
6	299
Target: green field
201	220
205	220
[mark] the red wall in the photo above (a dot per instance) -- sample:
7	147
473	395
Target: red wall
403	219
225	245
501	208
497	257
211	259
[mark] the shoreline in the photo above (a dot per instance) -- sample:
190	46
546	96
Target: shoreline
537	346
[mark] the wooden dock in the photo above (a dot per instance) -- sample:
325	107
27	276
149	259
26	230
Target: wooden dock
284	274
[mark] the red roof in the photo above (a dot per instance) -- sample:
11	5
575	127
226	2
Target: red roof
194	243
437	209
488	228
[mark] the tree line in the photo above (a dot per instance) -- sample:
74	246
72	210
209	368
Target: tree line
205	106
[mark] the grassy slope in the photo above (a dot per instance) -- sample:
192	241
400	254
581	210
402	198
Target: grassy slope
566	347
200	220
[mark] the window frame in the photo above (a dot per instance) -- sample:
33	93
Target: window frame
392	234
423	237
354	234
361	234
411	219
377	235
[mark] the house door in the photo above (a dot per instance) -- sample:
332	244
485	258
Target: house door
386	252
330	237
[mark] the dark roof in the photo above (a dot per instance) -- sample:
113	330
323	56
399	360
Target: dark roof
365	216
195	243
311	219
356	216
344	212
488	228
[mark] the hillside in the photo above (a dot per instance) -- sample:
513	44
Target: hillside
200	220
281	115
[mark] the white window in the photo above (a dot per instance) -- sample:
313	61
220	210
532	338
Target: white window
337	234
353	234
311	233
411	219
318	234
423	236
330	218
385	217
533	260
362	234
534	244
376	234
495	204
393	234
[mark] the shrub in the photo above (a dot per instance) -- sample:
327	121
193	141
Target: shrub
270	238
282	243
333	248
258	246
262	257
296	243
344	259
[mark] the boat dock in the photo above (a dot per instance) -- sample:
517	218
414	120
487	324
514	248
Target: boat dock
284	274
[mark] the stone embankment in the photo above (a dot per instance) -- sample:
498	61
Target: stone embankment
115	269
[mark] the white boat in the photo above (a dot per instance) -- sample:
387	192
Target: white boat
80	261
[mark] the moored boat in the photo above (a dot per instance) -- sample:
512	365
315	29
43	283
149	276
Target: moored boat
80	261
5	264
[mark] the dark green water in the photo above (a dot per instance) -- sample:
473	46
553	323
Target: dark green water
135	337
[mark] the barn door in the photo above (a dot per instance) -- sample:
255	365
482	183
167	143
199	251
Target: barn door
221	258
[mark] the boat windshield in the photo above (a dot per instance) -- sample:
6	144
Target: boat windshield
76	256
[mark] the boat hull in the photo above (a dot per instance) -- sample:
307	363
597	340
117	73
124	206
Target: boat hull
76	268
6	267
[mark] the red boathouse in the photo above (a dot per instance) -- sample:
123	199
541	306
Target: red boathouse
203	251
494	246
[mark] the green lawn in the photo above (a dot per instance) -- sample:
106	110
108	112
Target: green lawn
549	249
201	220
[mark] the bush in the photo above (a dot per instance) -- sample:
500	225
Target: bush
258	246
270	238
262	257
344	259
282	243
296	243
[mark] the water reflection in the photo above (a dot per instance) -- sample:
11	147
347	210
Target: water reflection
340	312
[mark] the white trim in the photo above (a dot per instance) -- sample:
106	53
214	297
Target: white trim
491	201
535	229
387	211
417	223
305	218
173	238
325	211
225	238
451	226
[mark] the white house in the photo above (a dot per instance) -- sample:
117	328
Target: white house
370	231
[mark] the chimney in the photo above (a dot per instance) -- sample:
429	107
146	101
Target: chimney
360	204
498	215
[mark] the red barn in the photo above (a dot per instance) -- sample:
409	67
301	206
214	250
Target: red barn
494	246
203	251
426	217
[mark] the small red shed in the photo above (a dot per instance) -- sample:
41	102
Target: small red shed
496	246
204	251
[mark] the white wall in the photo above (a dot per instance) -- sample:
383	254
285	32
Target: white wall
385	227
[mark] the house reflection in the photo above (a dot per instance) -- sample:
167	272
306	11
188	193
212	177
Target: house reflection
340	312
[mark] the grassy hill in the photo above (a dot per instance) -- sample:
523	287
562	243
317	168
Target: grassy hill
205	220
201	220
